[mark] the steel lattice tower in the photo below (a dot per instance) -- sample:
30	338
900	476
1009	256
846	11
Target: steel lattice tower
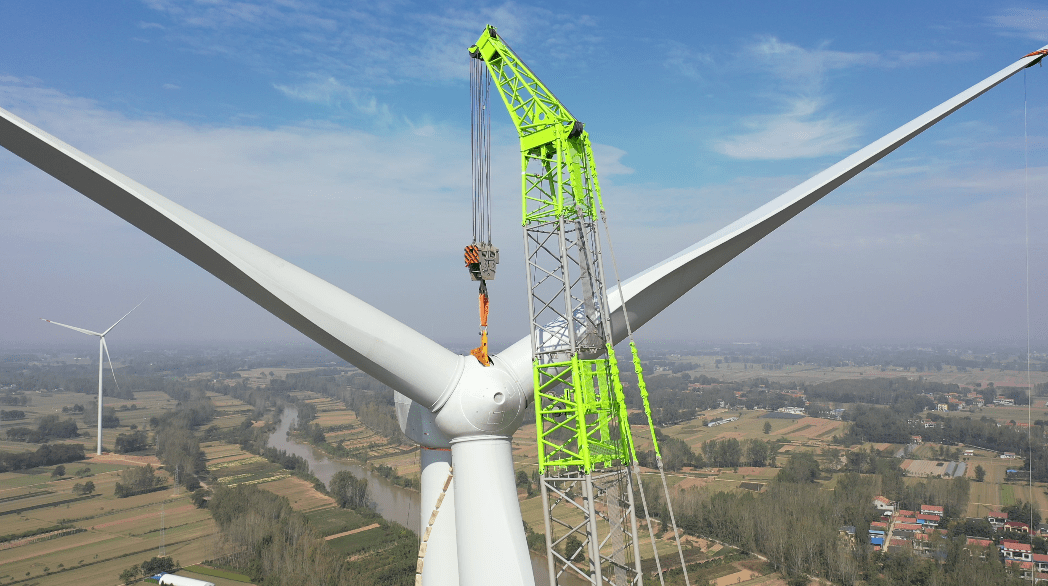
584	442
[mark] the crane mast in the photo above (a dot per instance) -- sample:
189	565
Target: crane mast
585	447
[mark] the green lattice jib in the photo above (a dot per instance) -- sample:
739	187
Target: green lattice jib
556	155
580	414
580	410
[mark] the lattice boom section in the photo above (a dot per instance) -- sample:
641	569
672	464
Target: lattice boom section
592	517
580	415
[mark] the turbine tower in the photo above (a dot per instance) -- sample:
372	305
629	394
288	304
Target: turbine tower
102	348
446	400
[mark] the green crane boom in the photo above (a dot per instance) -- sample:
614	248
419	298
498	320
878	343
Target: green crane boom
585	447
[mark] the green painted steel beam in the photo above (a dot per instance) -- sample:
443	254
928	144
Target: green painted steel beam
580	410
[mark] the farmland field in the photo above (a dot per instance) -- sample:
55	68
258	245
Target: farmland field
106	534
146	404
813	374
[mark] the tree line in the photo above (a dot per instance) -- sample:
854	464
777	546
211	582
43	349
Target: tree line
45	455
263	537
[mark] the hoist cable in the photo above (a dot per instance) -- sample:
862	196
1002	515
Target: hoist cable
480	149
1029	383
636	360
473	138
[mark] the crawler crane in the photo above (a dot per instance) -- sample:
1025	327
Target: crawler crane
585	447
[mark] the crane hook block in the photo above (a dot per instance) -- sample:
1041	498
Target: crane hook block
481	260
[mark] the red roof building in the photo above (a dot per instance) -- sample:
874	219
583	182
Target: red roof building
931	510
932	520
1041	561
1016	526
1013	550
900	542
979	542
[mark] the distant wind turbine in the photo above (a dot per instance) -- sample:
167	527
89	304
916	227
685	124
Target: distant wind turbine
102	348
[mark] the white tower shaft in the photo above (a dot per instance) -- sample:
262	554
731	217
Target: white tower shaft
101	349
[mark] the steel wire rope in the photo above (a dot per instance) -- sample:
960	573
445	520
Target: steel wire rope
473	72
658	458
480	149
1029	384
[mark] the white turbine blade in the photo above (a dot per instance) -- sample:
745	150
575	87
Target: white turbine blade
122	319
111	369
81	330
361	334
654	289
492	547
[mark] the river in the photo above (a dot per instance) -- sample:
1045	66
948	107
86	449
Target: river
394	503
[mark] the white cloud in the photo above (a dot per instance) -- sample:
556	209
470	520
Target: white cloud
171	86
804	126
684	61
609	160
1024	22
797	133
363	43
331	92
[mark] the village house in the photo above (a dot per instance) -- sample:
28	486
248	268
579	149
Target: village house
1025	568
901	528
932	510
1016	526
922	543
899	545
1013	550
997	520
885	506
984	545
929	520
1041	561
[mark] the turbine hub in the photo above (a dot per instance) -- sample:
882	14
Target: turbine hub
486	401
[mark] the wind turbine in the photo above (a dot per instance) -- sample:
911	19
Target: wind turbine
445	401
101	348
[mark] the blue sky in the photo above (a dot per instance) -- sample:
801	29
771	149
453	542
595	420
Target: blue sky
336	135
